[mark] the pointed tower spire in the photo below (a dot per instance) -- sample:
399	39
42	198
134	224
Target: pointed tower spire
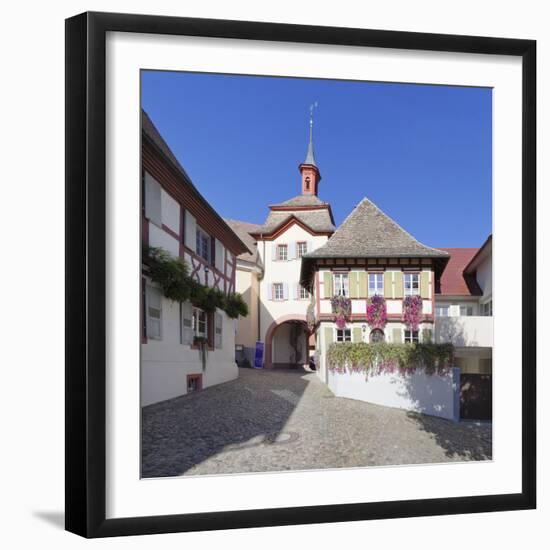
310	157
310	172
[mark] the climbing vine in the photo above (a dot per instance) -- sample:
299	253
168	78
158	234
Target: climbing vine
172	275
376	358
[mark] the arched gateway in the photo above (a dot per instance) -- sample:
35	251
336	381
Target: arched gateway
287	342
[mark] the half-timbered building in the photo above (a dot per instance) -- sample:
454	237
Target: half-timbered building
177	218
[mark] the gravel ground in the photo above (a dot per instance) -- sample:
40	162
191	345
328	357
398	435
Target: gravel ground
289	420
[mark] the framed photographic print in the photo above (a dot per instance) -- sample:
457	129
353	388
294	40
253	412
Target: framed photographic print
300	274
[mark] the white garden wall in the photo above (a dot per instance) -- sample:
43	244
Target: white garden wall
436	395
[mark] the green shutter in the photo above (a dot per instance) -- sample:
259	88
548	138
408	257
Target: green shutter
327	284
426	335
357	334
362	284
388	290
425	284
329	337
398	284
396	336
353	285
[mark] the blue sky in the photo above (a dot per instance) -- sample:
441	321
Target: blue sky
421	153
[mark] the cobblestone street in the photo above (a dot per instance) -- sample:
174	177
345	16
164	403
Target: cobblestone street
289	420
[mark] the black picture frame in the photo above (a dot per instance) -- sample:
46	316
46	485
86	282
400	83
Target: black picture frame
86	284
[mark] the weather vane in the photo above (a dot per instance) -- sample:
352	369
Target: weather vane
314	105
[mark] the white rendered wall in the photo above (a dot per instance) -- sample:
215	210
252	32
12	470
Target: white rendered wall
170	210
190	233
160	238
283	272
476	331
166	363
484	277
436	395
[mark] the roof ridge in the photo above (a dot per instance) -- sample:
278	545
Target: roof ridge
399	226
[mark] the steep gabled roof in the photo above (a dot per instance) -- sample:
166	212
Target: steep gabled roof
243	230
454	282
484	251
368	233
318	221
302	200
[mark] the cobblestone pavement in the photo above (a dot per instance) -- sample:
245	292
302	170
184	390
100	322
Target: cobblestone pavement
289	420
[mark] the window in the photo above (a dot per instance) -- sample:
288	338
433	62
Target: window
301	249
282	252
411	336
303	293
466	311
218	331
203	245
343	335
194	382
341	284
487	308
376	284
153	299
411	284
442	311
278	291
200	323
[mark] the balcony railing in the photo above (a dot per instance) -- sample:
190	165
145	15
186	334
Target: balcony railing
464	331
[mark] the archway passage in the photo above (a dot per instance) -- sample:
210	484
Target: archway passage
287	343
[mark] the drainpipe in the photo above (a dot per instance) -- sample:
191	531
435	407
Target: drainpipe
259	299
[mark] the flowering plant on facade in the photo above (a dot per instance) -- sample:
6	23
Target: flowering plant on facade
341	307
412	311
381	357
376	312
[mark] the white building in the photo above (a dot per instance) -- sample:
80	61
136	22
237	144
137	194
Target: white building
176	218
293	228
464	307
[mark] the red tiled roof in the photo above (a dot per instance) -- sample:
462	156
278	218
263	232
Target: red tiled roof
453	280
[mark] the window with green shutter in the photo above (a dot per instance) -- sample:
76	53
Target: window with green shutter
398	279
388	284
396	336
327	284
362	284
353	285
425	284
329	336
357	334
